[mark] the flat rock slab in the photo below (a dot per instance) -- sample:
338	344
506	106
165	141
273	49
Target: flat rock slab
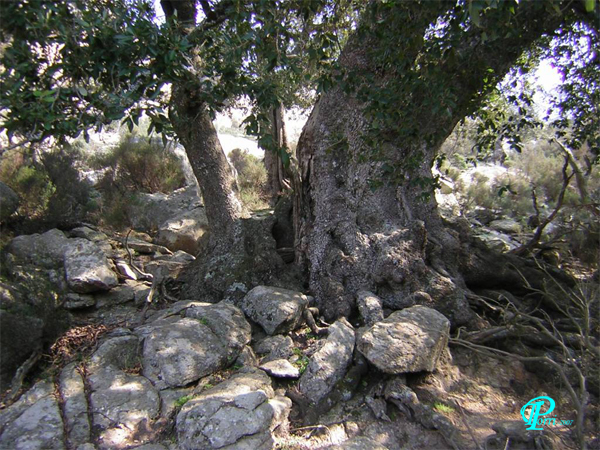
178	351
147	248
123	406
330	363
87	269
280	368
75	406
359	443
34	422
276	310
240	413
411	340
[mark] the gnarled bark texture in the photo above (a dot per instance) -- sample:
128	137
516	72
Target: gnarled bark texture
390	239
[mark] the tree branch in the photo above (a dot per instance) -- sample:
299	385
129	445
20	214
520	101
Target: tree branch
540	228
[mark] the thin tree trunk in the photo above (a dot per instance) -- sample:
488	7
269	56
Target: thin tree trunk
196	131
192	123
277	179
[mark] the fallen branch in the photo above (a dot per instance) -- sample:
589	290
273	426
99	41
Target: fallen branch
17	381
143	275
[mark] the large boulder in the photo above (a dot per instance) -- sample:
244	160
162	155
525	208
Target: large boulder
44	250
9	201
241	413
179	350
330	363
122	405
87	269
34	422
183	231
149	211
411	340
276	310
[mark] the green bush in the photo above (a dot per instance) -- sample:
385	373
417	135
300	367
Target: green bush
73	197
252	178
137	164
50	188
34	188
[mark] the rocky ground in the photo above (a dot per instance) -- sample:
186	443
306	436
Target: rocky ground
132	366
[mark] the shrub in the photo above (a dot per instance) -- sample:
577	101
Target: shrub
50	189
140	165
73	197
34	189
252	178
135	165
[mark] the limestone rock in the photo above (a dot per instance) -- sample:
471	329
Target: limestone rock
45	250
150	211
369	307
227	322
495	240
359	443
247	358
280	368
123	406
146	248
129	291
95	236
276	310
9	201
87	268
506	226
34	422
126	270
275	347
410	340
75	406
178	257
330	363
183	231
178	352
240	413
78	301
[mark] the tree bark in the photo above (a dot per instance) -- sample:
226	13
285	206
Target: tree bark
389	238
193	125
195	130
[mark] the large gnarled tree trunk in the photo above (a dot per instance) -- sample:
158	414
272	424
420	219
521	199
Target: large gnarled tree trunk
387	236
